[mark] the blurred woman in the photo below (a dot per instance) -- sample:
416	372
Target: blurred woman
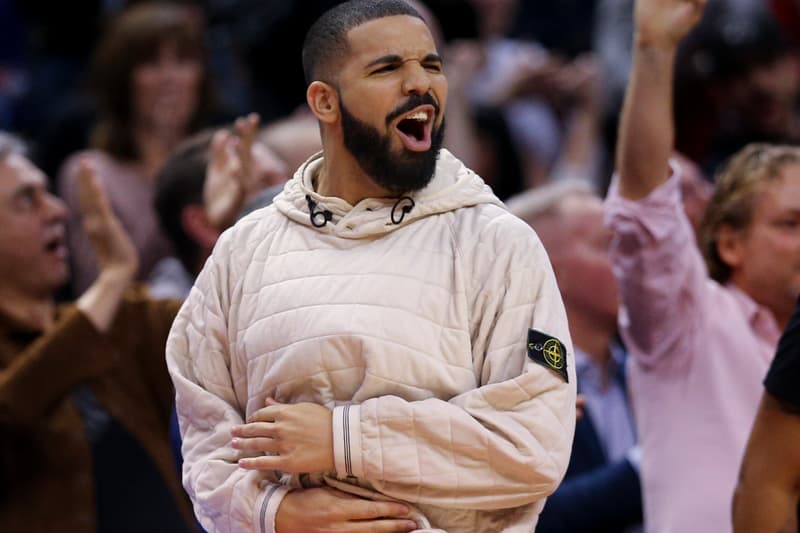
153	89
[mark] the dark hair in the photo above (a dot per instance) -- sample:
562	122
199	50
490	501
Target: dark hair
133	39
180	183
727	45
11	144
326	40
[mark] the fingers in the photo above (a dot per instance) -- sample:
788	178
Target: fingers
219	142
259	444
361	509
246	130
90	194
92	200
265	414
355	508
254	429
266	462
382	526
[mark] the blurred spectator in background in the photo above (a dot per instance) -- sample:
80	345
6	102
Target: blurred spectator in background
202	189
738	81
85	397
547	101
601	491
565	27
153	89
700	334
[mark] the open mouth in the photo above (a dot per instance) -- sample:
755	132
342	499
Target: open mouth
56	246
415	128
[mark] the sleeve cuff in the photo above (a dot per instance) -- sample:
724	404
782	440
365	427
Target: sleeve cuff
656	211
268	509
347	440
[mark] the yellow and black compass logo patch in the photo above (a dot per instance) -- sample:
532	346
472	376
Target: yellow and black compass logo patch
548	351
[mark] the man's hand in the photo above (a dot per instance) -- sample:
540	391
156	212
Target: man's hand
663	23
229	172
647	129
115	251
325	509
300	437
111	244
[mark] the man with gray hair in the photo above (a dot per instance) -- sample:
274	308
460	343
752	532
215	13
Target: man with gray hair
85	397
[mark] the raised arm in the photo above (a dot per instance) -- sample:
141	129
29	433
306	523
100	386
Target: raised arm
51	366
647	132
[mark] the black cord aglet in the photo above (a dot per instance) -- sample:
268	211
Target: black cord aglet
318	218
404	209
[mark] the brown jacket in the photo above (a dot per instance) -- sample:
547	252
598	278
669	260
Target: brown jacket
46	481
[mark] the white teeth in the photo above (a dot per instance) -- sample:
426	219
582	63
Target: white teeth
422	116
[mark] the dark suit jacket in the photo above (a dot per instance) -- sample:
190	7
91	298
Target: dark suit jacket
596	496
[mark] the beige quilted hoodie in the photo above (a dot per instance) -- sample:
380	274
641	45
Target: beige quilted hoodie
413	331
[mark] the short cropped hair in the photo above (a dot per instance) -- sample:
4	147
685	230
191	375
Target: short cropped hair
737	189
180	183
11	144
326	41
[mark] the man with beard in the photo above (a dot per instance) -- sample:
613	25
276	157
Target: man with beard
384	348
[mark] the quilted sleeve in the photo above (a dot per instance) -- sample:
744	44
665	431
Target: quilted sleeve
226	498
504	444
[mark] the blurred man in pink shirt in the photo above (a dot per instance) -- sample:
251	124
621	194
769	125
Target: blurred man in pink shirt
701	333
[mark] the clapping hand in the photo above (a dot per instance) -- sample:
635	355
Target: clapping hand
112	245
230	173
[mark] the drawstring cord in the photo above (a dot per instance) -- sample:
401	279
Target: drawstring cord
315	216
320	217
405	208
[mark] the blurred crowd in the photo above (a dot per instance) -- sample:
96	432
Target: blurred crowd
188	114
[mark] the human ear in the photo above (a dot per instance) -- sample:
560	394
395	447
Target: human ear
323	101
730	246
196	225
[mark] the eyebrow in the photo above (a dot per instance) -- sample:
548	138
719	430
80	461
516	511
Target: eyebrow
394	58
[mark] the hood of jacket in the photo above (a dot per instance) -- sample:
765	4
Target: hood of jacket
453	186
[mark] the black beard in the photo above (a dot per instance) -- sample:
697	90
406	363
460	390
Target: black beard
396	173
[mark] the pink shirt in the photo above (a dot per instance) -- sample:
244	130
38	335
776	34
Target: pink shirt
699	350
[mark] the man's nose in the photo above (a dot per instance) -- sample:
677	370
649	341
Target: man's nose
416	79
56	208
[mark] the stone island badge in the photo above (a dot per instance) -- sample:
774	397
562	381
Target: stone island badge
548	351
